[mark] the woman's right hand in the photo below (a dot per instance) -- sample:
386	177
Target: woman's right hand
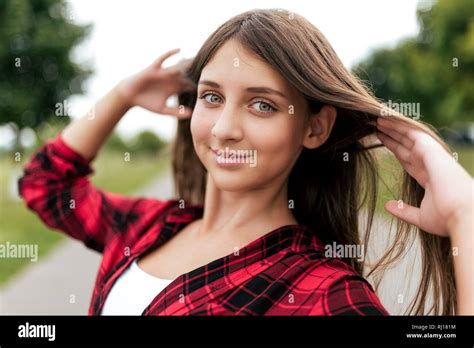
151	87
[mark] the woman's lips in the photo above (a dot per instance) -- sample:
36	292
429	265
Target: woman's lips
229	158
230	153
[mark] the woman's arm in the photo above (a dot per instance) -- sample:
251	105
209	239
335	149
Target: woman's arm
447	206
461	232
87	134
55	182
149	88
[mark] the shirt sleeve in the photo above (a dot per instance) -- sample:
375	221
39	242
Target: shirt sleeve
351	295
55	186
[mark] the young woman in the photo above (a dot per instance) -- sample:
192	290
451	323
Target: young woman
247	239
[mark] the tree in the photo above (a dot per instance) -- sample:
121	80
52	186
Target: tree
36	72
435	68
148	142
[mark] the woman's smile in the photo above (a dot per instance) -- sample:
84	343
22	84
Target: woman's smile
234	158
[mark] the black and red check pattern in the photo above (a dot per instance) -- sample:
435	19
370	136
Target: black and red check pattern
283	272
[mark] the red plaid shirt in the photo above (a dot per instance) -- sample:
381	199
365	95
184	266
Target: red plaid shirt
283	272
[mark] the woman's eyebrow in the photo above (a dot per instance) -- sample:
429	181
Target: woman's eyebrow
265	90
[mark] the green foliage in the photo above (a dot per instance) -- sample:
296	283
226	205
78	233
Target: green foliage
144	143
36	71
116	144
147	142
435	69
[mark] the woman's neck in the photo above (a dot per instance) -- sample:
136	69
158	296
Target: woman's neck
244	216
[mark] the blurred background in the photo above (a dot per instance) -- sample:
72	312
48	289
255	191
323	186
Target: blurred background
58	57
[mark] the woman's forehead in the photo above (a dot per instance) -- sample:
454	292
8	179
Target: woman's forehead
235	65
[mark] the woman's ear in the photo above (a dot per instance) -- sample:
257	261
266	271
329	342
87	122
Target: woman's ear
320	127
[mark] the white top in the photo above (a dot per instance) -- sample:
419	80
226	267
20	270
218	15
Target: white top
133	291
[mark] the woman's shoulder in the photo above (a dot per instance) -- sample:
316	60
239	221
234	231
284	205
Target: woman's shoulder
313	266
337	288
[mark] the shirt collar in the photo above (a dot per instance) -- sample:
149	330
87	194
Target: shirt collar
293	238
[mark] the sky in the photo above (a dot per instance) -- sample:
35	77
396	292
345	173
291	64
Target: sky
129	34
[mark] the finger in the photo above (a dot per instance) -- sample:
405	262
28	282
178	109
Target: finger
185	80
400	151
188	86
405	158
396	130
159	62
418	174
184	64
181	112
188	89
182	86
404	211
176	71
396	135
397	126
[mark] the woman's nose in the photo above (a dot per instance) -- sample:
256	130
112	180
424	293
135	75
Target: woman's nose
228	124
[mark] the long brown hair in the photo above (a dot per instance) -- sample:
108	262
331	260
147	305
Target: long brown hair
335	183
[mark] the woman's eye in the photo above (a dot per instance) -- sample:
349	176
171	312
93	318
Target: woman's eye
263	107
211	98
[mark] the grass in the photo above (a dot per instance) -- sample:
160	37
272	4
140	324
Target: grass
466	157
21	226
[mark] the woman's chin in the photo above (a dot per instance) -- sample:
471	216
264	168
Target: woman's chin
229	181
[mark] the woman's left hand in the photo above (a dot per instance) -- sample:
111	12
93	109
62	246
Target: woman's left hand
448	187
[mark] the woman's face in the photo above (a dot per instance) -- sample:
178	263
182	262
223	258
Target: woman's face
244	104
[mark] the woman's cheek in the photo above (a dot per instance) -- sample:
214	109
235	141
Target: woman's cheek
201	126
272	140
